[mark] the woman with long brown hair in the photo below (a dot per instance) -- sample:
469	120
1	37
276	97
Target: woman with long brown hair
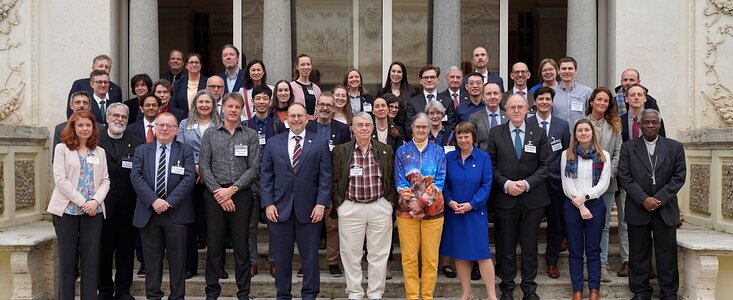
342	111
304	91
359	98
396	84
77	203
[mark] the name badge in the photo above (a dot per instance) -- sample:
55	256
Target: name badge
576	105
240	150
286	124
93	160
356	171
445	118
195	126
556	145
310	91
127	163
367	107
530	149
449	148
178	170
262	140
330	147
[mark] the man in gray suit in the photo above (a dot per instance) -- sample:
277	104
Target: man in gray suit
489	117
652	171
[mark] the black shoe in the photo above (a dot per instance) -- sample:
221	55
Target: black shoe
449	272
507	295
322	245
641	297
475	272
300	272
335	271
190	274
124	297
223	274
531	296
141	271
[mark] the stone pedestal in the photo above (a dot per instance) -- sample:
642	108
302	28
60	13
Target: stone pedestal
276	46
32	273
582	39
446	37
144	38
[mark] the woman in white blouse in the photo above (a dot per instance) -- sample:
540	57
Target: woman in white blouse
586	172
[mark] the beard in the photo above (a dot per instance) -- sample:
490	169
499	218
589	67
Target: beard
117	128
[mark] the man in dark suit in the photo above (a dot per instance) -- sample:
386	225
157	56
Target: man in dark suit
455	85
636	99
295	190
176	68
558	138
163	178
518	151
490	117
99	96
336	133
652	171
145	127
232	75
103	63
429	79
79	101
520	75
480	64
118	234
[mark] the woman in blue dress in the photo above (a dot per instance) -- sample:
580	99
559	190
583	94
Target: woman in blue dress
466	230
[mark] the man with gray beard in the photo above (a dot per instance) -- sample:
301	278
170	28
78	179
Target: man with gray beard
118	234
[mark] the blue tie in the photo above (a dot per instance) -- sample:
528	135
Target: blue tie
493	121
544	127
517	143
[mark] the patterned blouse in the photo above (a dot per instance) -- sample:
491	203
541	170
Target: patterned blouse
85	185
420	177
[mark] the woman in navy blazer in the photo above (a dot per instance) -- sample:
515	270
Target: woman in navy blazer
77	203
186	88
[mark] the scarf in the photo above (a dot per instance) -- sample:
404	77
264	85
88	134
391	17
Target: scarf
571	167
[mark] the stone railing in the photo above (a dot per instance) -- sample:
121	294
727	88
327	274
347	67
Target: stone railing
700	254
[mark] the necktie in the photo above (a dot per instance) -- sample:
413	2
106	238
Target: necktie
296	154
160	175
635	128
544	127
103	108
455	100
521	93
430	97
149	137
517	143
493	121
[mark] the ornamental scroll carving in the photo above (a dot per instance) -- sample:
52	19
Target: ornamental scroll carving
718	93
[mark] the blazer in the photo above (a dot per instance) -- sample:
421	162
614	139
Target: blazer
121	196
462	95
417	104
340	132
133	104
238	83
530	100
634	170
180	92
625	128
84	84
137	129
394	142
192	137
343	156
480	119
312	182
66	174
559	131
179	187
531	167
611	143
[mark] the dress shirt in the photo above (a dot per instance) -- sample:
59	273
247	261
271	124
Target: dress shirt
145	126
485	74
231	81
515	90
521	136
630	119
548	120
563	103
158	152
291	143
98	100
497	115
651	146
368	187
218	163
466	109
355	103
583	185
427	99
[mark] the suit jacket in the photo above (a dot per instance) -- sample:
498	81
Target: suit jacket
343	156
530	101
192	137
179	187
611	143
134	109
137	129
115	95
625	128
634	173
312	182
531	167
238	84
179	99
121	196
179	114
559	131
480	119
393	142
462	95
66	174
340	132
417	104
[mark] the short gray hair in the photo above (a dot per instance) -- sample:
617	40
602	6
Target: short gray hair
418	116
115	106
650	111
364	116
436	105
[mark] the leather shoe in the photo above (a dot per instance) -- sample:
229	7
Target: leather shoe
475	272
223	274
507	295
594	294
272	269
190	274
641	297
141	271
531	296
577	295
552	271
253	270
624	271
564	245
449	272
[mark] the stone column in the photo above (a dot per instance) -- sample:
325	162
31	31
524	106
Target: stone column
446	37
582	39
276	46
144	47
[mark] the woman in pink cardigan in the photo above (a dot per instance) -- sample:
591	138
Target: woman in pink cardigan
77	203
305	91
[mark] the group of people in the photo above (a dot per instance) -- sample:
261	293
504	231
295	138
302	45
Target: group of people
195	162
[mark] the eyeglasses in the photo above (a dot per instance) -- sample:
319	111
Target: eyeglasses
101	82
166	126
520	72
429	77
119	116
363	125
475	82
211	86
420	127
548	70
325	105
193	63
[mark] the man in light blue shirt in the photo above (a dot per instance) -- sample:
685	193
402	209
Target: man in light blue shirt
571	97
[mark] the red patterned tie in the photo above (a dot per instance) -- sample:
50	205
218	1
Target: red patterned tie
296	154
635	129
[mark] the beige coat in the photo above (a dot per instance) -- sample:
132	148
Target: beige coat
66	173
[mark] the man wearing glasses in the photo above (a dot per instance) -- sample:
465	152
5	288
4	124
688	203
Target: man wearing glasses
520	75
99	80
113	92
429	80
215	85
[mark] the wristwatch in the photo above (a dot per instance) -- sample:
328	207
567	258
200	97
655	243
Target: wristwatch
236	189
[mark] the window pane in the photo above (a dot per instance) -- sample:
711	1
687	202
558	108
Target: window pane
252	11
480	27
410	36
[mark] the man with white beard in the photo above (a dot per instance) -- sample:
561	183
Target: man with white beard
118	234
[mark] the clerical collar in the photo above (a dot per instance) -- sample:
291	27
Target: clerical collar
652	143
114	136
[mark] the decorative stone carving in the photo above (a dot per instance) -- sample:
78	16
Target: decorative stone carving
12	82
25	184
727	195
718	93
700	188
2	188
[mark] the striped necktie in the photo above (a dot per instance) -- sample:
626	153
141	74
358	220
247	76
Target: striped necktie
160	175
296	154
